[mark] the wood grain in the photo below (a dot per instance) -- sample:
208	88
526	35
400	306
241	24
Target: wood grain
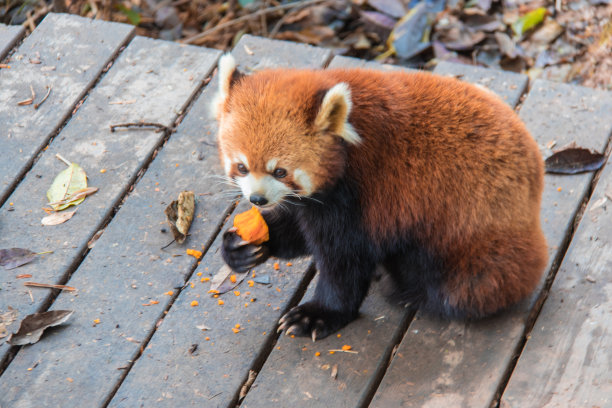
9	35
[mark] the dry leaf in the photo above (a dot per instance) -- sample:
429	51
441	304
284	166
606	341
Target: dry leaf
32	326
6	319
68	182
72	198
222	281
13	257
180	215
57	218
572	159
247	385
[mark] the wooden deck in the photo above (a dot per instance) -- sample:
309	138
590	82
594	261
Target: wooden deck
552	350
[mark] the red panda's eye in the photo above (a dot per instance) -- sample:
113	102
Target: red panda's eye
242	168
280	173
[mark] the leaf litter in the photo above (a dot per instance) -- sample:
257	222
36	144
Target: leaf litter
12	258
179	215
32	326
573	159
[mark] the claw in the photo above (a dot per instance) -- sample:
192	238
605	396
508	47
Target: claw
290	330
232	229
314	335
282	319
280	328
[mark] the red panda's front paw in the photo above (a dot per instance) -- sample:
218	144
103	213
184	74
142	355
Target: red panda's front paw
312	320
241	255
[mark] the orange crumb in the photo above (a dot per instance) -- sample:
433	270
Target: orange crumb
237	292
253	274
252	299
154	302
169	293
194	252
192	285
213	291
215	295
176	165
339	335
207	338
203	280
317	354
251	283
156	188
235	330
10	204
331	352
102	170
199	273
237	325
96	321
276	266
278	348
194	303
278	289
346	347
233	278
293	336
246	305
221	302
157	183
206	279
559	189
69	379
289	264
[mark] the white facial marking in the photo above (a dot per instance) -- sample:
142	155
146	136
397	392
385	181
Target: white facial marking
271	165
242	159
304	180
273	190
227	164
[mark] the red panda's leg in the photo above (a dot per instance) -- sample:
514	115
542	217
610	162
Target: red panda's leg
492	272
343	284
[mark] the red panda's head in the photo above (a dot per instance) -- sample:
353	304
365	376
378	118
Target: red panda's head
282	133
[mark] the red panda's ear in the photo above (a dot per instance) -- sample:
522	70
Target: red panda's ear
228	75
334	113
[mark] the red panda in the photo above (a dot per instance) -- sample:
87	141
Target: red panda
435	180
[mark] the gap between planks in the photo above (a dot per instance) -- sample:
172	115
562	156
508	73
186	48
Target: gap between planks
52	296
550	278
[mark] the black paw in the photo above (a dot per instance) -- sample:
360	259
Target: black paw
311	320
239	254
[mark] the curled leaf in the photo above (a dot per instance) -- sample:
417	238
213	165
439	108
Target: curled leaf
33	326
179	215
222	282
68	182
573	160
13	257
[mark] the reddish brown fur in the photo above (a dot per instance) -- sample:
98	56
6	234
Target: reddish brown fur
476	205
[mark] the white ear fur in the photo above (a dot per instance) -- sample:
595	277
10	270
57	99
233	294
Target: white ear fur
334	113
227	66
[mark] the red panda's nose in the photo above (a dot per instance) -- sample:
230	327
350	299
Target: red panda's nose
258	199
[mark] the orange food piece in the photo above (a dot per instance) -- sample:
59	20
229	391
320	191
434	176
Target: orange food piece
169	293
346	347
289	264
237	292
220	302
251	227
235	330
194	303
206	279
251	283
233	278
213	291
194	252
317	354
276	266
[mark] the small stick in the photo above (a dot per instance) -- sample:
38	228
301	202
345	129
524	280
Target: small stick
33	93
344	351
59	156
43	253
49	285
36	106
159	126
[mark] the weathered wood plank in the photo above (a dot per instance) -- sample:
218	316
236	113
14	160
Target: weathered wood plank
167	374
462	364
508	85
65	52
567	359
9	35
294	376
136	88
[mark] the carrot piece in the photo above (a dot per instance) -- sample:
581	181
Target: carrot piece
346	347
233	278
194	252
251	226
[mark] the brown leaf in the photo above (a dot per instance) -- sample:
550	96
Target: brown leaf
57	218
179	215
14	257
221	281
573	159
33	326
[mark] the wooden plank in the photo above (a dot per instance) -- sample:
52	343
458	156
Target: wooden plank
136	88
508	85
9	35
294	376
65	52
462	364
127	269
567	359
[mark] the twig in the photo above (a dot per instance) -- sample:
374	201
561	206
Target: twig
62	158
29	100
344	351
282	20
159	126
258	13
36	106
49	285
